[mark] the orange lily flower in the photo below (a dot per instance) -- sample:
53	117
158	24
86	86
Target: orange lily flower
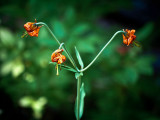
32	29
58	57
129	37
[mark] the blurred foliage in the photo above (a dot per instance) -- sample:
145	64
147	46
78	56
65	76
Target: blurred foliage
37	106
120	85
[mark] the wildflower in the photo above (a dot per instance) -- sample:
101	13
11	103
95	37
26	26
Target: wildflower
58	57
32	29
129	37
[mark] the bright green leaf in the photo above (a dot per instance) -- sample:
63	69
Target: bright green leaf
38	106
7	37
26	101
79	58
17	68
6	68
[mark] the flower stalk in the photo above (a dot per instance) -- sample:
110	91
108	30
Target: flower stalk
78	96
61	45
82	70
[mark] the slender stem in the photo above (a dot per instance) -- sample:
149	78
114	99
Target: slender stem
70	57
101	50
78	95
62	45
41	23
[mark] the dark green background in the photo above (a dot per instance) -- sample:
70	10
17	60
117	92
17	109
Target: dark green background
123	84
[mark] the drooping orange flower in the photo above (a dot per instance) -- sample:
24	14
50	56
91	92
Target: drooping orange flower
129	37
32	29
58	57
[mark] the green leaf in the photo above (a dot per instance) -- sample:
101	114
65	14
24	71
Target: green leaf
18	68
6	68
81	103
26	101
78	74
65	67
79	58
68	68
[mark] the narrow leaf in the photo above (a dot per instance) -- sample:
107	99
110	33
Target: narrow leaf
79	58
68	68
65	67
81	104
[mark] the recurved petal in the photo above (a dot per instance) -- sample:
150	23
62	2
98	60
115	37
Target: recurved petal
125	40
27	26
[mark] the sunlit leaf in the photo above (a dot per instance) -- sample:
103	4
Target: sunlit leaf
26	101
7	37
38	106
18	68
6	68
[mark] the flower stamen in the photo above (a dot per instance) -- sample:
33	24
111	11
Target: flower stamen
57	70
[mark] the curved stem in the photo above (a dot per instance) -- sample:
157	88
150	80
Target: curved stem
41	23
62	45
101	50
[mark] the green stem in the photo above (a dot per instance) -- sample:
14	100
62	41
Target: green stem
41	23
101	50
70	57
65	50
78	95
